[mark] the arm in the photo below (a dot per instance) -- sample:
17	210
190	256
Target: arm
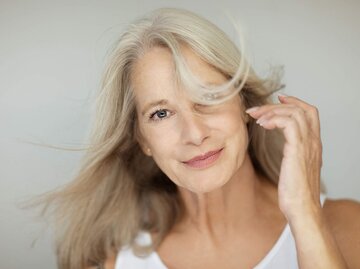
316	243
299	181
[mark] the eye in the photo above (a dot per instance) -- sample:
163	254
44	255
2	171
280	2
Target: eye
159	114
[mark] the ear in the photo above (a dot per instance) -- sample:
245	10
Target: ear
143	144
144	148
246	118
245	115
148	152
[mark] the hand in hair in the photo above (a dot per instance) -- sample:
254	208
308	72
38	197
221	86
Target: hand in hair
299	180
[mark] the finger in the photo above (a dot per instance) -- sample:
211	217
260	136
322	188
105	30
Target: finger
258	111
289	126
290	111
310	110
264	112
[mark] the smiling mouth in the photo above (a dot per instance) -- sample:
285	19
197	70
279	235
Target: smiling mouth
204	161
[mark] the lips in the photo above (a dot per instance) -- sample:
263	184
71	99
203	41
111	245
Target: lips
205	160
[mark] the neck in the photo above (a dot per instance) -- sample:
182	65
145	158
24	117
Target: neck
223	211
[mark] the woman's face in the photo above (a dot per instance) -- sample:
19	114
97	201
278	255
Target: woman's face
176	130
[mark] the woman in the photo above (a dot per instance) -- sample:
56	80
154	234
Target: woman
192	166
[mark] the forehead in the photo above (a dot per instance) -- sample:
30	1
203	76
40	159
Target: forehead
153	74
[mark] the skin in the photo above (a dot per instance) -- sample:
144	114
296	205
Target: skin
233	215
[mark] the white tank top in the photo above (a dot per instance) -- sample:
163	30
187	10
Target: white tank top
281	256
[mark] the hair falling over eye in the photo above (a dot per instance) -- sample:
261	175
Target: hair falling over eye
118	190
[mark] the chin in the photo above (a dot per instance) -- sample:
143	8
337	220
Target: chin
205	188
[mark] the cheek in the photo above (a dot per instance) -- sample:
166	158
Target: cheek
236	136
162	141
162	144
165	160
157	135
231	123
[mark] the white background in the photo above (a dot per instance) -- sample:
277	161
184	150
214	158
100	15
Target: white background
52	54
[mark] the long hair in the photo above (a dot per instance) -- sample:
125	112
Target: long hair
118	190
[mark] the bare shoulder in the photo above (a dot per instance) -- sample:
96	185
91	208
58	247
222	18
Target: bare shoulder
342	213
109	264
343	217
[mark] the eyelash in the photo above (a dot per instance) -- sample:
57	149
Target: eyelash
151	117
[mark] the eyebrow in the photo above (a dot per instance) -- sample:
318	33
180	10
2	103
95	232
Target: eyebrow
152	104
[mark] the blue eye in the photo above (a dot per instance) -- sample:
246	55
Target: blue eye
160	114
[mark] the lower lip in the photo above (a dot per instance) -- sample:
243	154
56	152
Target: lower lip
206	162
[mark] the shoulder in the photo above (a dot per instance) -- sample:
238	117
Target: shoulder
342	213
343	217
108	264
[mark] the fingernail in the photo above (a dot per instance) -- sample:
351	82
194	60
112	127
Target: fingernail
260	121
253	109
282	95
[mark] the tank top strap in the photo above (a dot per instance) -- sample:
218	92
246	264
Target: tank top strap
322	199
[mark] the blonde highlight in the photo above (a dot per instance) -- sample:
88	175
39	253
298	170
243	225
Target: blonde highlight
119	190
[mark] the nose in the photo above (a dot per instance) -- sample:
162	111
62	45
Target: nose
194	128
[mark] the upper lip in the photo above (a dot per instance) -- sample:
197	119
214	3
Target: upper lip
204	156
